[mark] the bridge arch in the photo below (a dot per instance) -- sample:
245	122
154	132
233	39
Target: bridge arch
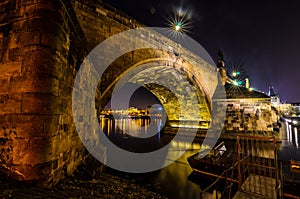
36	99
195	72
155	69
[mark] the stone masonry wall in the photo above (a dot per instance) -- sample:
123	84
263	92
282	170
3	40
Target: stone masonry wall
42	45
249	116
100	21
40	48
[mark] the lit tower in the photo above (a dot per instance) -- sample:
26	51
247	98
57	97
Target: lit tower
221	67
275	100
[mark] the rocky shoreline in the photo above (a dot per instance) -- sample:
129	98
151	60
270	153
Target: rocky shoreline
104	186
88	181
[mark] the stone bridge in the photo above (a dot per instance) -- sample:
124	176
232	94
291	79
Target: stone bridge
42	46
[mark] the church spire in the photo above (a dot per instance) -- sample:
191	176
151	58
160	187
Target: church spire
272	91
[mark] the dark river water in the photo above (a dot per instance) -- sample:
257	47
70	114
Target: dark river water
175	181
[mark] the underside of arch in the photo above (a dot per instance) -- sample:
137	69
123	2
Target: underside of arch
183	100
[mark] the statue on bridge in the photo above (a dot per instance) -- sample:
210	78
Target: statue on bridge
221	67
221	62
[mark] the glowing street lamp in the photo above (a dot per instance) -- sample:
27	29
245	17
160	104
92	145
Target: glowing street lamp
178	26
179	22
234	74
237	83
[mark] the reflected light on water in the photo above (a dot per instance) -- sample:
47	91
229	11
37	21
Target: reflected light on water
296	136
290	142
173	180
292	134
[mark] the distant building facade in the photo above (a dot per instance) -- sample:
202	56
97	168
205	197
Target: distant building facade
285	109
247	111
295	109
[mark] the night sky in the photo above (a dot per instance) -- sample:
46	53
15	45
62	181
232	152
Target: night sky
262	38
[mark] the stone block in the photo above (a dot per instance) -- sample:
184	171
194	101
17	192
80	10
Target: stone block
30	38
31	151
39	23
65	90
14	41
63	143
33	172
32	82
15	55
53	41
10	68
42	60
39	103
32	54
10	103
29	126
51	126
4	82
4	125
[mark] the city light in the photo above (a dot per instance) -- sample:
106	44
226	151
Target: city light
180	22
178	26
294	121
237	83
234	74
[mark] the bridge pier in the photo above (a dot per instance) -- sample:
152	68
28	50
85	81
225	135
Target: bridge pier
40	49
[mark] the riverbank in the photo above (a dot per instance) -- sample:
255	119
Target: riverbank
83	184
106	186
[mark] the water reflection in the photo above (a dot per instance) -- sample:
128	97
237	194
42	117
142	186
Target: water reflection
136	127
290	142
135	135
291	135
171	181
